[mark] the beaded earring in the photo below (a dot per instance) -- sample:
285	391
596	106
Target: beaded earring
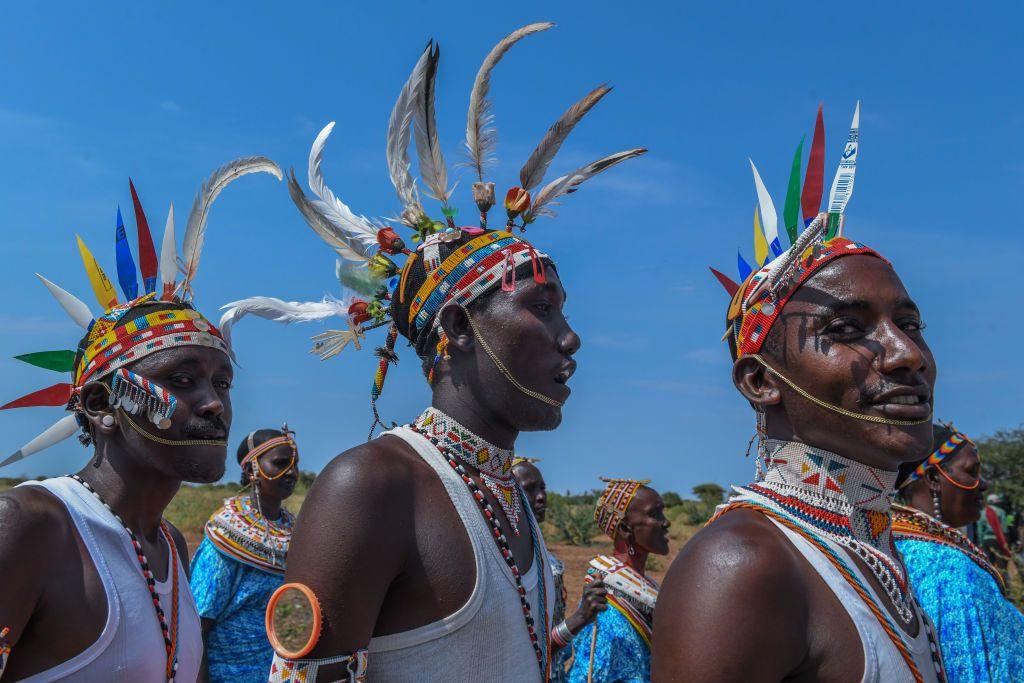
937	504
137	395
761	437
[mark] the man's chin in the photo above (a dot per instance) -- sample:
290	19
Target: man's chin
204	465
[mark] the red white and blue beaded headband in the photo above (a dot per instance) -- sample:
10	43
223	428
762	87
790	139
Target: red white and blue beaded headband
946	450
366	247
119	336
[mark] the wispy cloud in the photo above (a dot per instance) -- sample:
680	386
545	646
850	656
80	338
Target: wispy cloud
170	106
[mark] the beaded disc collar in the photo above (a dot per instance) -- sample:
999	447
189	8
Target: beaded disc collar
239	531
494	463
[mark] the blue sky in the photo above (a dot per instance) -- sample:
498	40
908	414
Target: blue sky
167	92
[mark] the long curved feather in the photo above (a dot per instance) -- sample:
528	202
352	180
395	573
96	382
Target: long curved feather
346	245
769	216
72	305
63	429
399	135
195	231
532	173
330	207
280	311
480	133
571	182
428	146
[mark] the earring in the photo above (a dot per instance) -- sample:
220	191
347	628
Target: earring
107	421
937	504
631	549
760	436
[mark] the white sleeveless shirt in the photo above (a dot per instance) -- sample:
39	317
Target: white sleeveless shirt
882	661
486	638
130	648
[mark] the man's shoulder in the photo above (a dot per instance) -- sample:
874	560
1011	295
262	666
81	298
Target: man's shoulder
385	464
32	514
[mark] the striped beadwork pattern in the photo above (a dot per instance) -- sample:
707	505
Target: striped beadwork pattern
611	506
629	592
239	531
948	448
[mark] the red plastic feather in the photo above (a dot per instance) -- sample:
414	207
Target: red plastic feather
727	282
814	181
147	252
57	395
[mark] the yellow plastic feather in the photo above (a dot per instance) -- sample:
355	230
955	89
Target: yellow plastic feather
760	243
101	285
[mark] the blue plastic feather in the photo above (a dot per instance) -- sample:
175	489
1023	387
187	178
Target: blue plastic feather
743	267
126	274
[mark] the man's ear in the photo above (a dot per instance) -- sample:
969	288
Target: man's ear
455	323
96	404
755	383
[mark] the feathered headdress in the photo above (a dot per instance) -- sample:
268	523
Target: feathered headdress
777	273
117	337
366	247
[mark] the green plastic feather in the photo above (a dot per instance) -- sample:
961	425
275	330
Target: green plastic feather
791	211
59	361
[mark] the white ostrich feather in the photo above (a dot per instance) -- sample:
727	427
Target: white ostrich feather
569	183
279	311
348	246
399	135
359	228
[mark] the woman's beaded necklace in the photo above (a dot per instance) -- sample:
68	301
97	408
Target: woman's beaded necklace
845	500
539	649
170	633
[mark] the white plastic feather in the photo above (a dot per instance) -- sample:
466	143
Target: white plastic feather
74	306
359	228
280	311
348	246
480	133
532	173
428	146
195	231
399	136
169	255
569	183
63	429
769	217
332	342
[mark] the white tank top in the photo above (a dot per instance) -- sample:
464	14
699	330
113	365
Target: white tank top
882	661
486	638
130	648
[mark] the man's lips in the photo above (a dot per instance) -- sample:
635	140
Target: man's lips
907	403
565	372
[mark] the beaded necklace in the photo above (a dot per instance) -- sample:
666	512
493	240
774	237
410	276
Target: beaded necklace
845	500
912	524
494	463
540	648
170	633
242	532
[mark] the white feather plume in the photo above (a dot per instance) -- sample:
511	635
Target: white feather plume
569	183
72	305
195	232
169	254
359	228
428	146
280	311
480	132
349	246
399	135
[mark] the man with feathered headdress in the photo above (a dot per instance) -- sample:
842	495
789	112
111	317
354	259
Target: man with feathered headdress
439	571
96	580
797	576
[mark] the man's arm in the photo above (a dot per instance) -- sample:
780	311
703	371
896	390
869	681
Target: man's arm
733	607
351	540
27	546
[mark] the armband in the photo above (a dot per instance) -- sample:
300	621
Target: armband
305	670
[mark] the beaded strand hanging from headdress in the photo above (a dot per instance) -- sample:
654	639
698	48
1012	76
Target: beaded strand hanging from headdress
366	270
117	337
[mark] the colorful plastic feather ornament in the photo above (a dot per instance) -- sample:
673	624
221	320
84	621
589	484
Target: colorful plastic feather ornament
112	339
814	181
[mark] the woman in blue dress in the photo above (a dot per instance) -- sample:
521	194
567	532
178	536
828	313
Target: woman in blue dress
981	633
241	559
617	645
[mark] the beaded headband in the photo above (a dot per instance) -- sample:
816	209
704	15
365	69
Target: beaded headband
945	450
369	276
119	336
614	501
287	438
757	303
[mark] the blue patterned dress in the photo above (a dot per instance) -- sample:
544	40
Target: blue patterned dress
236	568
620	651
981	633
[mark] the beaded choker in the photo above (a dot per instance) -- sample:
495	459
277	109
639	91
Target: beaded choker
845	500
495	464
909	524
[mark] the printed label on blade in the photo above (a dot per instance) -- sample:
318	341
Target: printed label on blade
842	185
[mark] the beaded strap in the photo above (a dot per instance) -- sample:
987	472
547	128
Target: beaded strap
170	633
506	552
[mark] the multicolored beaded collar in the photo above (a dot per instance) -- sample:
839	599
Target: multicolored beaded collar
119	336
239	531
847	501
911	524
631	593
494	463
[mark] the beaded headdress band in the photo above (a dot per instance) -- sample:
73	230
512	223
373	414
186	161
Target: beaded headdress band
614	501
120	336
287	438
945	450
370	277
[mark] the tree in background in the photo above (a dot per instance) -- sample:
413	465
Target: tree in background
1002	462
